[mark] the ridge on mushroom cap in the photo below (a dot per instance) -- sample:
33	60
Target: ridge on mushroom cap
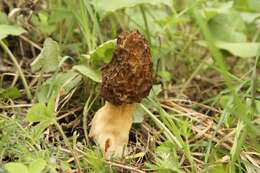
128	77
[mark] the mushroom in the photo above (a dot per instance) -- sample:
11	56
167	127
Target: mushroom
126	79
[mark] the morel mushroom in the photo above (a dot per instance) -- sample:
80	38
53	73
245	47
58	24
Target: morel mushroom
125	81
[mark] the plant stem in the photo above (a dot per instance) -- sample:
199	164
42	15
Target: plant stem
85	114
168	134
16	64
146	23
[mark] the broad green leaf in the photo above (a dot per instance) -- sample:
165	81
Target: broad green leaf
248	5
228	27
104	7
242	4
156	89
249	17
243	50
59	83
103	52
37	166
210	12
38	113
139	113
6	30
49	58
10	93
15	167
88	72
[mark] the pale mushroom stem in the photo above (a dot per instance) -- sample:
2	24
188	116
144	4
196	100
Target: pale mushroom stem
110	128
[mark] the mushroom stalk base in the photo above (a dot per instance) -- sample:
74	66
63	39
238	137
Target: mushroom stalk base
110	128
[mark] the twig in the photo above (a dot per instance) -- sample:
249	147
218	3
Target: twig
124	166
69	112
16	106
16	75
30	42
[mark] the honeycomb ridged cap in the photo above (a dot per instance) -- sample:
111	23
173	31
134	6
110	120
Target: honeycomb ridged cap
128	77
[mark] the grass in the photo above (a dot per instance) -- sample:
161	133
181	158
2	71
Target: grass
202	114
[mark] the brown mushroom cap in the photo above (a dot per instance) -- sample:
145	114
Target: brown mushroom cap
128	77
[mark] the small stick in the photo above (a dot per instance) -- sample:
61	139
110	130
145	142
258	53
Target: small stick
31	42
16	106
124	166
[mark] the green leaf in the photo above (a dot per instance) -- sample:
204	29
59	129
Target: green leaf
104	8
38	113
223	8
51	106
156	89
103	52
60	14
37	130
242	4
15	167
139	113
88	72
248	5
240	49
43	22
59	83
228	27
243	50
49	58
37	166
166	159
249	17
6	30
10	93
